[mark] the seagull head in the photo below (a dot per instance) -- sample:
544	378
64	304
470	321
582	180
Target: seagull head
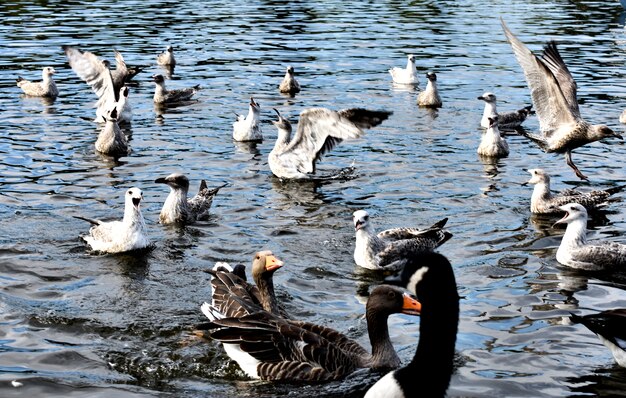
488	97
282	123
290	70
49	71
255	105
124	91
493	121
573	212
360	218
604	131
264	263
112	115
133	197
411	57
170	49
431	76
158	79
175	181
538	176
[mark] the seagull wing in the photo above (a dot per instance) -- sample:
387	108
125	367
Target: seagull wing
552	59
121	71
92	71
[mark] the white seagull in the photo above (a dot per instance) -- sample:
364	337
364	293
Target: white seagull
248	128
492	144
406	75
44	88
430	96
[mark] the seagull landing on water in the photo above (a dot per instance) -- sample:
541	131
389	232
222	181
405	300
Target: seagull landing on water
492	144
406	75
430	96
289	84
120	236
553	91
177	208
506	120
248	128
44	88
319	130
164	96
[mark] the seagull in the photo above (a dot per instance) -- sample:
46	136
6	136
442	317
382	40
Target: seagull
177	208
44	88
319	130
289	84
492	144
553	92
610	327
430	97
388	250
574	250
111	140
120	236
248	128
406	75
165	96
622	116
166	58
506	120
543	201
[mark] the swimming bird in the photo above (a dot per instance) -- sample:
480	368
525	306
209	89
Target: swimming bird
289	84
506	120
610	327
166	58
120	236
553	92
543	201
622	116
319	131
574	250
177	208
44	88
165	96
430	96
431	278
111	139
492	144
248	128
388	249
269	347
406	75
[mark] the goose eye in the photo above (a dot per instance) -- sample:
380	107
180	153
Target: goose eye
391	295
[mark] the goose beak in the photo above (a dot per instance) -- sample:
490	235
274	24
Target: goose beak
272	263
410	306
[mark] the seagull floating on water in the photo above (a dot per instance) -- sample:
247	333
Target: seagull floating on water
111	140
610	327
44	88
120	236
406	75
574	250
492	144
388	250
430	96
165	96
319	130
543	201
506	120
166	58
553	92
177	208
248	128
289	84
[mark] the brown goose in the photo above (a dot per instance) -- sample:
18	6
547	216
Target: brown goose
268	347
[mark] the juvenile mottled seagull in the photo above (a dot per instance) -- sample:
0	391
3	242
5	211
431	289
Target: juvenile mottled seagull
165	96
166	58
492	144
111	140
406	75
44	88
574	250
319	130
610	327
248	128
506	120
289	84
120	236
543	201
177	208
553	91
389	250
430	96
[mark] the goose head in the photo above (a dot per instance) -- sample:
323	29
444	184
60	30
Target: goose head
264	264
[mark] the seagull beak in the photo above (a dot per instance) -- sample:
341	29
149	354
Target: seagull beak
411	306
481	98
160	180
562	220
617	135
358	225
272	263
136	202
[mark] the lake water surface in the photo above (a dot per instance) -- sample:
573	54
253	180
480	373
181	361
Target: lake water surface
75	324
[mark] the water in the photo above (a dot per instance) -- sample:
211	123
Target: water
76	324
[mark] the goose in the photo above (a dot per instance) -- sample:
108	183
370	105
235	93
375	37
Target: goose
177	208
166	58
575	252
44	88
163	96
120	236
269	347
553	93
406	75
319	130
492	144
111	140
506	120
610	327
430	96
430	277
388	249
248	128
289	84
543	201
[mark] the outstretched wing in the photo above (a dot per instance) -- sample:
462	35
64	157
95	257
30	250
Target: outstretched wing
94	72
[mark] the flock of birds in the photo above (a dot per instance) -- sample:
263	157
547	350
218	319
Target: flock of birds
248	320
